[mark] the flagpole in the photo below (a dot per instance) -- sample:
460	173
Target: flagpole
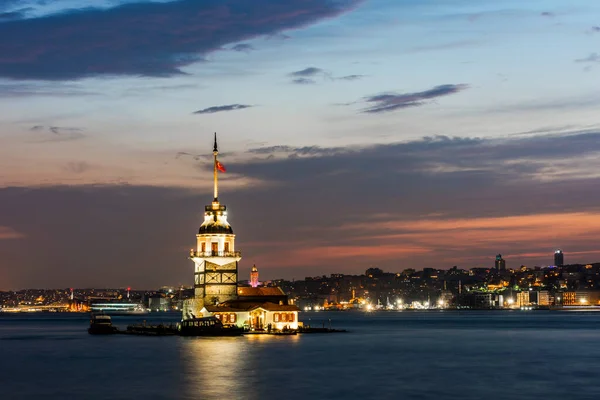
215	172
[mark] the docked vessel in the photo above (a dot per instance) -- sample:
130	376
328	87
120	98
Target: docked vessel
101	324
116	307
151	330
208	326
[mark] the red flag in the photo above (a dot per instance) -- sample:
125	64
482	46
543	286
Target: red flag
220	167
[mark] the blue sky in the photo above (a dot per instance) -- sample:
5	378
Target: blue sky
110	92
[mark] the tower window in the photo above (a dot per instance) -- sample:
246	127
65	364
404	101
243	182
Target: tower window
204	247
226	247
215	247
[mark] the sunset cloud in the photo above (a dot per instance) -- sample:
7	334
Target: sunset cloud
307	72
7	233
148	38
304	81
242	47
216	109
386	102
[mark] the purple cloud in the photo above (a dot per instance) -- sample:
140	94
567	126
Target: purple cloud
304	81
242	47
350	77
592	58
310	71
395	101
216	109
149	39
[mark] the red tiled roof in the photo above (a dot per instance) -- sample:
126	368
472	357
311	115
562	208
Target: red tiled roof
260	291
275	307
240	305
222	308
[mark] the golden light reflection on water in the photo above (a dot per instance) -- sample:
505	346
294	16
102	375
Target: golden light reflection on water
221	368
270	338
213	367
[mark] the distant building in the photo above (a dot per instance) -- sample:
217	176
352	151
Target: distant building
523	299
580	298
500	263
254	276
158	302
540	297
559	258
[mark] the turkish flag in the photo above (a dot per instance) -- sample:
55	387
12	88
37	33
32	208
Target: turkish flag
220	167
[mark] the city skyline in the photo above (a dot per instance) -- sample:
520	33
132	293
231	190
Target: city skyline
356	134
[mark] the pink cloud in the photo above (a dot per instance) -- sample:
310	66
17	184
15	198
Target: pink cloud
7	233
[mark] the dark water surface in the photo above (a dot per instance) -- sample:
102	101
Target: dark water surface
427	355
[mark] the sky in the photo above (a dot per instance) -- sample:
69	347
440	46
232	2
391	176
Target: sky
356	133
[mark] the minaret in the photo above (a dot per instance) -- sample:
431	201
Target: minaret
254	276
215	258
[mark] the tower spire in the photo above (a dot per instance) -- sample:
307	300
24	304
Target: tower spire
215	172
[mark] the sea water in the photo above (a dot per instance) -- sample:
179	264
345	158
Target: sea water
385	355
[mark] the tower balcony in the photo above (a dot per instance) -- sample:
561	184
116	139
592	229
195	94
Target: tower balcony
206	254
215	207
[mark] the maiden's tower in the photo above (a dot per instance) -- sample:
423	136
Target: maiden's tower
216	291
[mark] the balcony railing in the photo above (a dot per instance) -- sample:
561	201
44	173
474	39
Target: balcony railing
215	253
219	208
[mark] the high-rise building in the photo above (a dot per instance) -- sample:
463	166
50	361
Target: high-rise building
500	263
559	258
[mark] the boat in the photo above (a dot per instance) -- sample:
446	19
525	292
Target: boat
208	326
111	307
151	330
101	324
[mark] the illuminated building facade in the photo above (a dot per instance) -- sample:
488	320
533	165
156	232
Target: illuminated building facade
215	258
216	290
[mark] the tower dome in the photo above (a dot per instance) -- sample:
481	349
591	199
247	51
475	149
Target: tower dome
215	221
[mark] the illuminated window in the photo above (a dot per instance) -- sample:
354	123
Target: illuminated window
232	318
218	316
227	247
203	247
283	317
276	317
292	317
215	247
